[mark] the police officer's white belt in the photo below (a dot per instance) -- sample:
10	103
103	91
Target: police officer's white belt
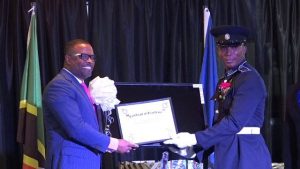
250	130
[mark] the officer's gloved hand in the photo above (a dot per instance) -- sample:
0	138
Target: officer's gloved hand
182	140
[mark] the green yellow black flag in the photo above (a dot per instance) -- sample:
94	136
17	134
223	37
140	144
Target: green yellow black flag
30	124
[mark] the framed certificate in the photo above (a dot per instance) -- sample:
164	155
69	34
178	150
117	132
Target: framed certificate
147	122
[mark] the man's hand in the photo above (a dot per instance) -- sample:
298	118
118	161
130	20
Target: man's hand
182	140
126	146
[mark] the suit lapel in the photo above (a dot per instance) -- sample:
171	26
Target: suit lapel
69	77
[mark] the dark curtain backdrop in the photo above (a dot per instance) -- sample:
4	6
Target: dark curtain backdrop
147	41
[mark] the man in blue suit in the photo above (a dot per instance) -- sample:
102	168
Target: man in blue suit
74	135
240	98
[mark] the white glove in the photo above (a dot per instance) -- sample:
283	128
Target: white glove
104	92
182	140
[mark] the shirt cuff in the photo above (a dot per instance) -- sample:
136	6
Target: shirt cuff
113	144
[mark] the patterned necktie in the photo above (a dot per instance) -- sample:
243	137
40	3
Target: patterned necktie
87	91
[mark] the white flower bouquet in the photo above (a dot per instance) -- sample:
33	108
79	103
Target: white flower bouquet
104	93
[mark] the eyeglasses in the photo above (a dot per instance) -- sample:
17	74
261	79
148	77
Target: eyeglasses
85	56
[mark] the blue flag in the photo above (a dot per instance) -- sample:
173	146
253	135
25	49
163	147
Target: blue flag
209	73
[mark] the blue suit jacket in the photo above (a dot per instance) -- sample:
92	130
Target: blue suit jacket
73	136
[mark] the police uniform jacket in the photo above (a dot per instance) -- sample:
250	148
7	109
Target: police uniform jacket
240	105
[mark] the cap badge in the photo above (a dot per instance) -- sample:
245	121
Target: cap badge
227	36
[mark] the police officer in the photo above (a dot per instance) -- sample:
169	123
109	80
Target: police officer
240	96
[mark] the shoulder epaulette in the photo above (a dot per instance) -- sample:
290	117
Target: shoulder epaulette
244	68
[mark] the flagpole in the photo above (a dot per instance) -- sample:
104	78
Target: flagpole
87	7
33	7
206	15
